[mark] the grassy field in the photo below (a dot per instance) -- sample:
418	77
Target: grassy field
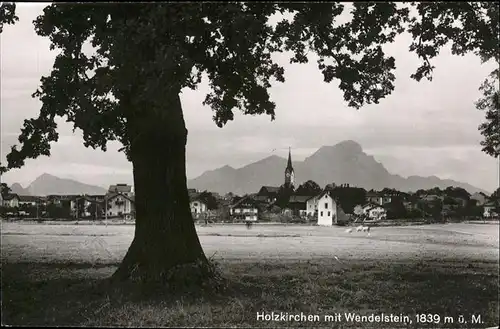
53	275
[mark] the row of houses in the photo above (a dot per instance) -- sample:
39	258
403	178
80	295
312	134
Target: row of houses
325	209
322	208
117	202
411	202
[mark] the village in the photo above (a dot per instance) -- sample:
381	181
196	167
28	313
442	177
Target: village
308	204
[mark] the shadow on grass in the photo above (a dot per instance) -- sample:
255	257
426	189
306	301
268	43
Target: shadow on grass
78	294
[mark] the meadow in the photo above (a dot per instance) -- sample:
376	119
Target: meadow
54	274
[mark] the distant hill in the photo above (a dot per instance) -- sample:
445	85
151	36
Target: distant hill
48	184
345	162
19	190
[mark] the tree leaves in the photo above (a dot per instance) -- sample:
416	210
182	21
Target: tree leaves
7	14
490	103
145	52
469	26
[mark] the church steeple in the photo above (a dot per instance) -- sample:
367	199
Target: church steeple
289	165
289	172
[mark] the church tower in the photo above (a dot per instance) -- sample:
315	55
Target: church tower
289	173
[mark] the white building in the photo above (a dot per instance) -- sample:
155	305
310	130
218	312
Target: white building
11	201
198	207
312	206
119	205
119	201
488	210
372	211
327	209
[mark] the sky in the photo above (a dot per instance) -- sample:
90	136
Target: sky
422	128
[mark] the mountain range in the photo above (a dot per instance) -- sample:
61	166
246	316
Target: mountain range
345	162
47	184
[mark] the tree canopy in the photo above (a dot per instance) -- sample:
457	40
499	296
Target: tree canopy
4	189
349	197
232	45
457	192
309	188
7	14
208	198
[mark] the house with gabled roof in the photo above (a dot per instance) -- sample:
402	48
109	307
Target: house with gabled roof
123	189
11	200
312	206
298	204
371	211
327	209
378	197
119	201
244	209
88	206
267	194
28	200
197	206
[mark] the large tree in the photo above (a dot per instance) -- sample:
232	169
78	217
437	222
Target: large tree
145	55
309	188
471	27
4	190
209	199
349	197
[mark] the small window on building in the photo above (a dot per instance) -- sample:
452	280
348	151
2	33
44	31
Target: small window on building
328	214
326	205
321	213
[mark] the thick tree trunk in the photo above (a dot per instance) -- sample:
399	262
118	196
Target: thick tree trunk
166	247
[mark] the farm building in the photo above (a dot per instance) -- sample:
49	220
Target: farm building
197	207
245	209
371	211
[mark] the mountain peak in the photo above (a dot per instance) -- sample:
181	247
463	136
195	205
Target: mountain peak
47	176
350	145
272	157
19	189
47	184
344	162
347	147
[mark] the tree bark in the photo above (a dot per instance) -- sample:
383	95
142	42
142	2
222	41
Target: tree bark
165	236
